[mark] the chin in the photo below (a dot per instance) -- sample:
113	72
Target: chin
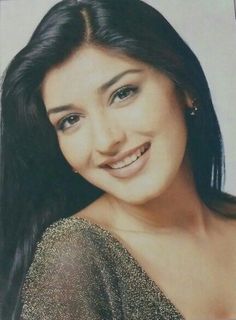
137	198
151	188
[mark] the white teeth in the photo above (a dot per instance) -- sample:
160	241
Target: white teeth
128	160
120	164
138	153
116	165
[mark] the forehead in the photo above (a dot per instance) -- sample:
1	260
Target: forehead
84	72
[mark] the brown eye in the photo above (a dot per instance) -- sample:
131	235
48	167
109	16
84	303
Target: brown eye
68	122
124	93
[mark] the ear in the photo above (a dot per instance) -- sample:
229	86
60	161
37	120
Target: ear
188	99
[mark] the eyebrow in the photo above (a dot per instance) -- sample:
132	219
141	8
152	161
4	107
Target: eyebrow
103	88
108	84
60	109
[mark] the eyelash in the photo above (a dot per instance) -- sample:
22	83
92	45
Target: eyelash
132	90
61	125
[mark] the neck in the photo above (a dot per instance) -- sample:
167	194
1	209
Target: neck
178	209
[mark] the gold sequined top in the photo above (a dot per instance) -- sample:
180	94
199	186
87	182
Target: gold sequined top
81	271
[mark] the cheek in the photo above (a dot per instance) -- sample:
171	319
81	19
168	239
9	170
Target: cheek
170	146
172	136
169	149
76	150
155	115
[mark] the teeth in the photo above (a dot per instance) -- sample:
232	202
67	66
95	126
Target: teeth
117	165
128	160
120	164
138	153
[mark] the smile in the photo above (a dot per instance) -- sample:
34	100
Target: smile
129	159
131	164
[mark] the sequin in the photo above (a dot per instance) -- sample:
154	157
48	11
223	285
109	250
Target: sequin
81	271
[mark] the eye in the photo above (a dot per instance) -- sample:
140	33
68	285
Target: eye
68	122
124	93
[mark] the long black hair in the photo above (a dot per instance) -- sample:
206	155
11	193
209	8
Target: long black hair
38	187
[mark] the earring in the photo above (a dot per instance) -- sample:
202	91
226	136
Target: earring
194	108
75	171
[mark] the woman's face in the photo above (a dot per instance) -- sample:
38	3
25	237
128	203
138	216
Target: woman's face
113	109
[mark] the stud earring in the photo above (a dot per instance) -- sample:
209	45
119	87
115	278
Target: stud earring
75	171
194	108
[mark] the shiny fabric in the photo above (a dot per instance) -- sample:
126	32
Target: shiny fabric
81	271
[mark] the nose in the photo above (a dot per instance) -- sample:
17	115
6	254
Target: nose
108	135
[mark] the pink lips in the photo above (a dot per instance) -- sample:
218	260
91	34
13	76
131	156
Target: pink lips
131	169
122	155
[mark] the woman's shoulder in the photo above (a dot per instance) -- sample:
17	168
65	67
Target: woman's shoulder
61	276
72	234
65	229
67	248
69	243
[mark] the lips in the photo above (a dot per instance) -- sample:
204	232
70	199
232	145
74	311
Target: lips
122	156
133	169
128	160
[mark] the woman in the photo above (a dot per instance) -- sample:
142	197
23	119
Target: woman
108	122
